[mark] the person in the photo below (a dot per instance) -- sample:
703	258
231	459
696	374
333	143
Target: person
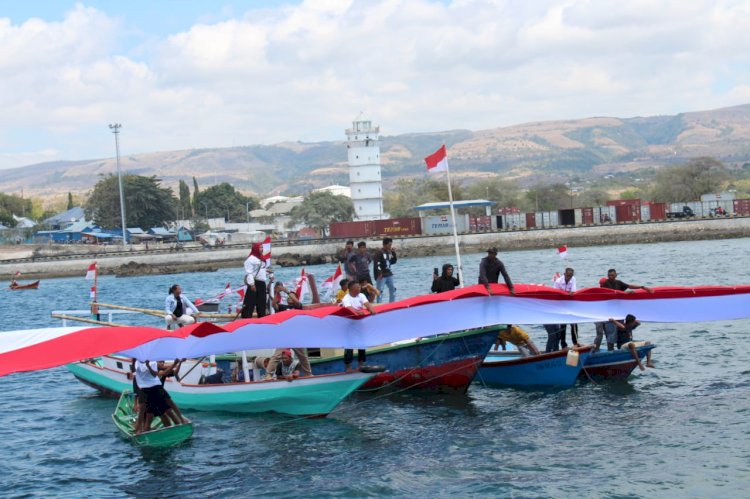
490	269
344	256
255	279
359	263
553	337
153	403
179	310
371	292
567	283
302	359
341	293
164	373
613	283
519	338
384	259
287	369
283	299
625	339
444	282
358	302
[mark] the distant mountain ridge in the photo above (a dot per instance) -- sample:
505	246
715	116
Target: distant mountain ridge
590	145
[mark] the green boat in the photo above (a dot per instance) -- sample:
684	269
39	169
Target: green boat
158	436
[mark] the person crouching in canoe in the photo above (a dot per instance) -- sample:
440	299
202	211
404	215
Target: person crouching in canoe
625	339
153	403
519	338
164	373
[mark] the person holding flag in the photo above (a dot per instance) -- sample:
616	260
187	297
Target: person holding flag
328	285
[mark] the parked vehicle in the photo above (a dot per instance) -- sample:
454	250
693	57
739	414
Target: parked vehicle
685	213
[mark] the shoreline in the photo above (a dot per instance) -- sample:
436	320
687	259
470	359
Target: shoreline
310	254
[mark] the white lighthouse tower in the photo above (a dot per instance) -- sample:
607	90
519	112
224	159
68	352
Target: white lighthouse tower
364	169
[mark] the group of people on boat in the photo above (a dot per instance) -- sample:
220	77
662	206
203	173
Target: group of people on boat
152	400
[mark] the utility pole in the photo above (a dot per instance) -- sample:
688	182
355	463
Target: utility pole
116	130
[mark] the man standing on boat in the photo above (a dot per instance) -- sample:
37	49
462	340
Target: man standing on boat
359	263
383	272
255	278
356	301
444	282
179	310
613	283
567	283
344	257
490	269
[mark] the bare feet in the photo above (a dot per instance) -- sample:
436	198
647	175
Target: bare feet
651	366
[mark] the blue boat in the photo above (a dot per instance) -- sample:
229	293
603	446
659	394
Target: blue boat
615	364
545	370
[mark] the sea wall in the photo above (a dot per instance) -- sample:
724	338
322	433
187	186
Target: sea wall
641	233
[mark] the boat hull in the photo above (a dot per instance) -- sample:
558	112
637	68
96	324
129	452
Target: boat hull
159	436
545	370
617	364
314	396
20	287
446	363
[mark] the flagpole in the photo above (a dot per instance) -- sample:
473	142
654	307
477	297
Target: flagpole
455	230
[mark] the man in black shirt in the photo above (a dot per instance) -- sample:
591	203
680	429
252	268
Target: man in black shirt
444	282
490	269
613	283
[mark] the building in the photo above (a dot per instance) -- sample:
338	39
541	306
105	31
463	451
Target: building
336	190
66	218
364	169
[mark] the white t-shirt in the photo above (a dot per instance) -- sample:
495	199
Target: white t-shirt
356	302
565	286
143	377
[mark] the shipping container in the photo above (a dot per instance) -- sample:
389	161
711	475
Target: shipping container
741	207
587	216
717	208
515	221
345	230
718	196
441	224
604	214
624	202
508	211
397	227
697	208
531	220
627	213
658	211
645	212
499	222
567	217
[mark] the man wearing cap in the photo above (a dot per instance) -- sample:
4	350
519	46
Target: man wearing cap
490	269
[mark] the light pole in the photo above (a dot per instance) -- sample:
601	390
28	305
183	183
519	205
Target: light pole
116	130
206	207
247	211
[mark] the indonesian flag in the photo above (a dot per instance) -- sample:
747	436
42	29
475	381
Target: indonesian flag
437	161
266	250
556	277
18	273
302	285
227	291
91	272
562	251
329	284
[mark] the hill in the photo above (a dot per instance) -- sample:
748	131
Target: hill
590	146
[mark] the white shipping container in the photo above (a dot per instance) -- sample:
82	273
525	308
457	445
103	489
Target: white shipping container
697	208
578	214
514	221
645	212
441	224
718	196
604	214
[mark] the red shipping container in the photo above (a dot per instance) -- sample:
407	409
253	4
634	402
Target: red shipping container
397	227
628	213
658	211
742	207
345	230
624	202
587	216
531	220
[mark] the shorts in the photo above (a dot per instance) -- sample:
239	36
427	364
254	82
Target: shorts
156	404
610	332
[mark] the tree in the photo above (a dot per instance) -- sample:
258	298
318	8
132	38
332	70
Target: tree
147	204
196	206
70	201
549	197
321	208
592	197
223	201
186	205
11	204
690	181
505	193
407	193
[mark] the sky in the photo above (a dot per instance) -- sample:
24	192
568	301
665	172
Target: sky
198	74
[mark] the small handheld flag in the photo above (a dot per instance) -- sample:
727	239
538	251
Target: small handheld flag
562	251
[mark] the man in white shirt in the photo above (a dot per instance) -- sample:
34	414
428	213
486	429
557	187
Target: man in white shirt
179	310
358	302
567	283
154	403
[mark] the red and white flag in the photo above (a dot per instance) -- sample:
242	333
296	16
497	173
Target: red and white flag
555	277
437	161
329	284
18	273
91	272
266	250
302	285
562	251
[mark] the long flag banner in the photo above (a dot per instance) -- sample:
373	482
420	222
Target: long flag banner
337	327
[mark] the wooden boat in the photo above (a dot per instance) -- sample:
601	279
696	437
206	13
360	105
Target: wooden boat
444	363
545	370
158	436
615	364
313	396
14	286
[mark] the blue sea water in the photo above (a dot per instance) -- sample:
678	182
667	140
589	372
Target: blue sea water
682	429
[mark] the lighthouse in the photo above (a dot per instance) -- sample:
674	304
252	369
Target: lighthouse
364	169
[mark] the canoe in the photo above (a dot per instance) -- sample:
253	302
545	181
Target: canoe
445	363
617	364
159	436
314	396
18	287
545	370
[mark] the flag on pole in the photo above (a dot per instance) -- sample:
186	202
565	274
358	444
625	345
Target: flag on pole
91	272
555	277
302	285
18	273
562	251
266	250
330	284
437	161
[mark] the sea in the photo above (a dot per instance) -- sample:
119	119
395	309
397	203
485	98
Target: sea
679	430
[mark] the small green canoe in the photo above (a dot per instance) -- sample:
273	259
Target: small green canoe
159	436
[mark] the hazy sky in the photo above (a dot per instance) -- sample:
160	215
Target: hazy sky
192	74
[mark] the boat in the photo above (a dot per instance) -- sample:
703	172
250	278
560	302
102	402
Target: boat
313	396
14	286
158	436
444	363
615	364
545	370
